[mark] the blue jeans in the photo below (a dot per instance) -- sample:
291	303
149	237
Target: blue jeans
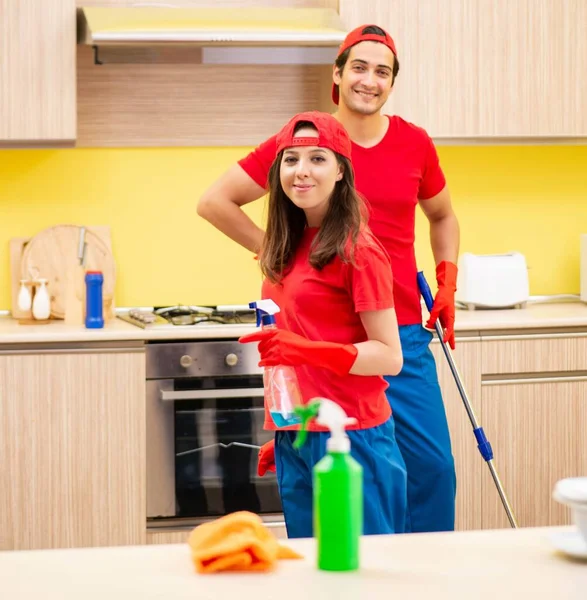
421	431
384	478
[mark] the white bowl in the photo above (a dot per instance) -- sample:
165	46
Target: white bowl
580	518
572	492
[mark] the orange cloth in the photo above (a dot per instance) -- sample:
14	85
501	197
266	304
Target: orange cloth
237	542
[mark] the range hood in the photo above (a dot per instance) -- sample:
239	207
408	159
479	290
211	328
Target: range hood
289	27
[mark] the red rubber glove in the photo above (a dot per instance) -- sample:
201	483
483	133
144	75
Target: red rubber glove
266	458
444	302
282	347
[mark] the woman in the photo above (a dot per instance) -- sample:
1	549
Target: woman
337	326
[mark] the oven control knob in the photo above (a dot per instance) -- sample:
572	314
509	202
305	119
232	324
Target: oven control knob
186	361
231	359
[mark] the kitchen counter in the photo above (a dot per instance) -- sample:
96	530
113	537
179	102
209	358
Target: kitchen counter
535	316
446	566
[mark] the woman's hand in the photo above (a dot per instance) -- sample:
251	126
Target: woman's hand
282	347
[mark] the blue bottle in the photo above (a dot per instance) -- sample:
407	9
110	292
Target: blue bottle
94	303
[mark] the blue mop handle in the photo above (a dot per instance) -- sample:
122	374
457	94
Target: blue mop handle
425	291
482	441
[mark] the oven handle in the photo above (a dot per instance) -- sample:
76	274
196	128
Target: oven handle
170	396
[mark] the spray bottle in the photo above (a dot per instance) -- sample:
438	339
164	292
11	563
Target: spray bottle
282	390
337	488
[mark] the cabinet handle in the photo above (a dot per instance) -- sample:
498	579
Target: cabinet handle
170	396
552	379
534	336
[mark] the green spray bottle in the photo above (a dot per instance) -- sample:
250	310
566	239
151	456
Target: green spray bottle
337	488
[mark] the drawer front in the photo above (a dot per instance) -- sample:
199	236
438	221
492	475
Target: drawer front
534	354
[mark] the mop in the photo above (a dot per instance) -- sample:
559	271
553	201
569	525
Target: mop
482	441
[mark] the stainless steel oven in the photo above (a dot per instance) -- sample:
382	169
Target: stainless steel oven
204	429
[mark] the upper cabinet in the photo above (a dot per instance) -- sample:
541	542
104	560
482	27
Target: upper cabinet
37	72
486	68
471	70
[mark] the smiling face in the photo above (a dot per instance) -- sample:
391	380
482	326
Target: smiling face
308	175
367	77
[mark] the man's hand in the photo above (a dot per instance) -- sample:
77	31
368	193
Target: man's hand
444	301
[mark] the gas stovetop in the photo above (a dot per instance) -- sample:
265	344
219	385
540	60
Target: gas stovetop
189	316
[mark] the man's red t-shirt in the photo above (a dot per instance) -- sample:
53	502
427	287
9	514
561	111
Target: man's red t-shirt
391	176
324	306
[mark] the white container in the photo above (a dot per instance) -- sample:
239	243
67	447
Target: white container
572	492
25	299
492	281
41	301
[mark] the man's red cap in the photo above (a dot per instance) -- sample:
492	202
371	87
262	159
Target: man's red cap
331	134
354	37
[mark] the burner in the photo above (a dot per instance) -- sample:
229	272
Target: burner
189	316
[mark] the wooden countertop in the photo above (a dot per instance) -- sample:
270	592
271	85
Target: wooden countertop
477	565
478	322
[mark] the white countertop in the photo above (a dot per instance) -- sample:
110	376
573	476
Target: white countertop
535	316
477	565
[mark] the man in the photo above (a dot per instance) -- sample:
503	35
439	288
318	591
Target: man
396	168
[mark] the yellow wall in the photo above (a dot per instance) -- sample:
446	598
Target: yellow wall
530	199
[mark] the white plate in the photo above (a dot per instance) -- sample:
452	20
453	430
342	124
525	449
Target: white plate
570	543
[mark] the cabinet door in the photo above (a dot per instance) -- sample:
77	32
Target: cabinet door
468	461
37	72
72	449
532	56
537	429
486	68
438	77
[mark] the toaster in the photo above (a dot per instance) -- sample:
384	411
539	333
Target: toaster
492	281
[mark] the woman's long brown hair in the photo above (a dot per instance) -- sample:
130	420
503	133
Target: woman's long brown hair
286	222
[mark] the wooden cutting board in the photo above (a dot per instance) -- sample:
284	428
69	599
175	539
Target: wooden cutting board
53	254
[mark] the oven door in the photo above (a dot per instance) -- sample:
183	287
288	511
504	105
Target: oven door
203	438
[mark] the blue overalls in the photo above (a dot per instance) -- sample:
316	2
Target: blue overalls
421	432
384	478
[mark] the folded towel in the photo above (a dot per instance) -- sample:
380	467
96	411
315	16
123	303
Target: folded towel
237	542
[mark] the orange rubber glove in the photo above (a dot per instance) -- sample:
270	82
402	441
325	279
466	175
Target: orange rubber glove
444	301
266	458
282	347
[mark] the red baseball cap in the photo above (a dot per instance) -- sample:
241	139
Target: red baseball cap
354	37
331	134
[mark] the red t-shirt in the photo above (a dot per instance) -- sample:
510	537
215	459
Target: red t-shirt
324	306
392	176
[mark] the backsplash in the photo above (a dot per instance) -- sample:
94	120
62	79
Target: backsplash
532	199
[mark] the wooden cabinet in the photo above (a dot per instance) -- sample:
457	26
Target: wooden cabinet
495	69
529	393
534	410
72	447
37	72
537	431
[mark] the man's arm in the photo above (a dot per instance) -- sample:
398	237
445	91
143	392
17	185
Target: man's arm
444	239
221	205
444	227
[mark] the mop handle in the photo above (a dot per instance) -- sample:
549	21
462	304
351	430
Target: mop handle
482	442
